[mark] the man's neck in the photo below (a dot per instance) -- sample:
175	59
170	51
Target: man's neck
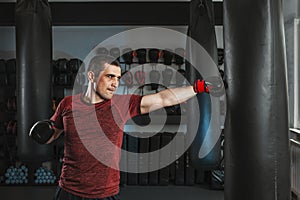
92	97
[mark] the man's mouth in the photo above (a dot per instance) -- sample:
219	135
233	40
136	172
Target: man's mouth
111	89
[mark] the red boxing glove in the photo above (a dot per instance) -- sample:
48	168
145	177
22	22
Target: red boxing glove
200	86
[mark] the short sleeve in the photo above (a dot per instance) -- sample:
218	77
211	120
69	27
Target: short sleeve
128	105
134	105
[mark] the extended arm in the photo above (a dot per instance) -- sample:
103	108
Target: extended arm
165	98
170	97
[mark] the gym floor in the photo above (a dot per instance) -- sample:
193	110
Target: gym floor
127	193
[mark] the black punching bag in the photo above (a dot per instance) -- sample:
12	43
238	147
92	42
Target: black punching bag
202	31
257	158
34	72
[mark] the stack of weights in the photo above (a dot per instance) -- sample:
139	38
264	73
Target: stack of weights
44	176
16	175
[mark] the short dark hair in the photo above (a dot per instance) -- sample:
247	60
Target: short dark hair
97	63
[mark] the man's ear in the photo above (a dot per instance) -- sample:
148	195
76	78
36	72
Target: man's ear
91	76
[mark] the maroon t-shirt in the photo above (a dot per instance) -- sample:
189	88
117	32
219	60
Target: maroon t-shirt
92	142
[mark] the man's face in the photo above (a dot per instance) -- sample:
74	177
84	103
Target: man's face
108	81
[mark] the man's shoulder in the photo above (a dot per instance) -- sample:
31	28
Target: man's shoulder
71	98
125	96
124	99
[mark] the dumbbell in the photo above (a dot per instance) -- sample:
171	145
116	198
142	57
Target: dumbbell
63	79
73	65
61	65
115	52
44	176
16	175
101	51
42	131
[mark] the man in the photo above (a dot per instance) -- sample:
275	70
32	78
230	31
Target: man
85	172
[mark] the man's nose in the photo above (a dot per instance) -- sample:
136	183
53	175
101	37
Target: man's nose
115	82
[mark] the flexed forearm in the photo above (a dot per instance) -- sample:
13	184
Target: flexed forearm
171	96
174	96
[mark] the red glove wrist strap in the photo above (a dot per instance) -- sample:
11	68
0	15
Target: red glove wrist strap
200	86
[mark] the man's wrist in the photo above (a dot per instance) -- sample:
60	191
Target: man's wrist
200	86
